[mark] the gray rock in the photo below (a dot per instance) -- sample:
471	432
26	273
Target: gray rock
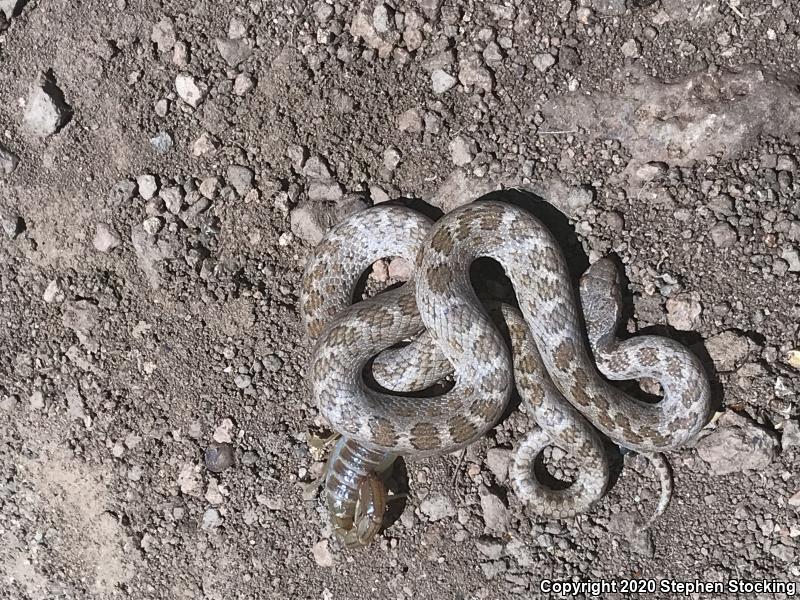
437	507
684	311
105	238
242	381
46	112
242	84
377	194
12	226
792	258
382	18
148	186
472	72
218	457
189	90
490	547
696	13
310	221
75	407
81	316
298	155
681	125
11	8
191	215
609	8
325	191
234	52
237	28
173	198
723	235
272	363
180	55
544	61
410	120
123	191
495	512
493	569
317	167
783	552
209	187
631	49
322	554
461	151
362	26
431	8
204	145
161	107
37	400
391	158
163	34
728	350
737	445
578	198
150	251
135	473
441	81
161	142
791	435
152	225
53	293
629	528
461	188
492	54
241	178
8	161
211	519
497	460
786	163
650	171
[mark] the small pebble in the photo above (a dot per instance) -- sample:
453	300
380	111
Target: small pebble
219	457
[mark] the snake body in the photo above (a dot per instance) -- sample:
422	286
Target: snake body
438	312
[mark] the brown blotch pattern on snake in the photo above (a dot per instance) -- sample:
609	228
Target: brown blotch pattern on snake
383	432
425	436
438	278
461	429
647	356
442	241
564	354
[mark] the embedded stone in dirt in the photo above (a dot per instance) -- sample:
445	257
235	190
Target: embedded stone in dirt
241	178
738	444
11	8
234	51
218	457
163	34
683	312
8	161
311	220
706	114
189	90
46	112
105	238
437	508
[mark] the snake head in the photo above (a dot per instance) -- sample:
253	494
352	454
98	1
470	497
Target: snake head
358	526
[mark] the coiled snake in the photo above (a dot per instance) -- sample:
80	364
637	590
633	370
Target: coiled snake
437	311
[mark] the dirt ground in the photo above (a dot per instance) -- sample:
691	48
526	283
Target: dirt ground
146	320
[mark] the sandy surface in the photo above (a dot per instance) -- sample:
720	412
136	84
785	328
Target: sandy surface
146	319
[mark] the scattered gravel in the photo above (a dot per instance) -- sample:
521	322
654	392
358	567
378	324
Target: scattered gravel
165	171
